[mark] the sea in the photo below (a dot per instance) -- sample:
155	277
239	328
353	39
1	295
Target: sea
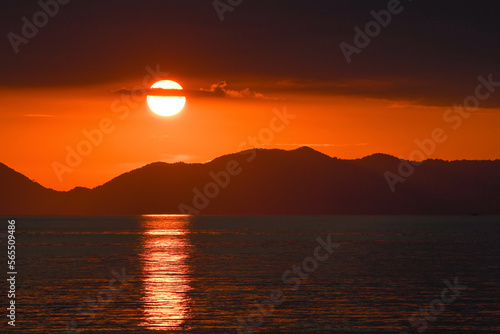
220	274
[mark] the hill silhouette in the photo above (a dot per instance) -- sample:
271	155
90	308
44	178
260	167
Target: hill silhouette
270	182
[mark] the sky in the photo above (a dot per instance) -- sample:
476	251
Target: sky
271	74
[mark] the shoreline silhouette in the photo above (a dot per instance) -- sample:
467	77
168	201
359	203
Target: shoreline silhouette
270	182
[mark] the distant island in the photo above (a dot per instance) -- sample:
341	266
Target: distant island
272	182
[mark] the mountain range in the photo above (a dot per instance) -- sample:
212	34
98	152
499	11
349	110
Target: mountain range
273	182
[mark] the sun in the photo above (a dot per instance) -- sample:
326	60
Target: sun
166	105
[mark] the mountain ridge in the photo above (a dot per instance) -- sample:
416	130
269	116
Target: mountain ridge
270	182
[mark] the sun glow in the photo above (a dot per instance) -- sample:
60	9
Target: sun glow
166	105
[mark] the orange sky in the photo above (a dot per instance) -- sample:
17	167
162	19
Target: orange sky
38	124
394	89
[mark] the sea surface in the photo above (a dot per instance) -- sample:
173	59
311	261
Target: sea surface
179	274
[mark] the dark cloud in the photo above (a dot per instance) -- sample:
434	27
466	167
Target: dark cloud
151	91
433	51
219	90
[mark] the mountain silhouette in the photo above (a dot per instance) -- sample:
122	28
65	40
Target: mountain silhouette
272	182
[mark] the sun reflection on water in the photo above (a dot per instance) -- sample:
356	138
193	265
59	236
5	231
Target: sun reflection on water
165	251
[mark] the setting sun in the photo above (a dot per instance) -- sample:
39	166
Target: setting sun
166	105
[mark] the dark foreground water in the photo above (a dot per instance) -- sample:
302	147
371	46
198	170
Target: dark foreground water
166	274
